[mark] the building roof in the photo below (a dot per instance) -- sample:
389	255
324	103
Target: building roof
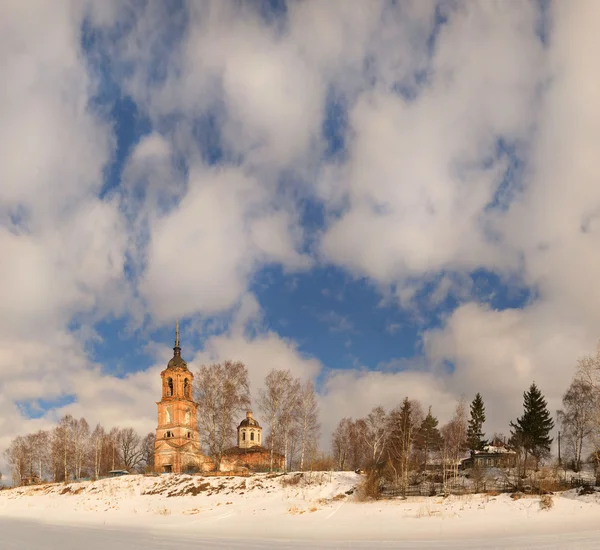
247	450
249	422
177	362
495	450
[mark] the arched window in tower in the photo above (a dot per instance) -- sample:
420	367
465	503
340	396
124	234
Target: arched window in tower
169	387
243	436
251	436
186	388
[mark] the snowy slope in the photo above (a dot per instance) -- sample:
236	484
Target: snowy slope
314	508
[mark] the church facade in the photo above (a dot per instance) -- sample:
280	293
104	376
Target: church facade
177	448
249	453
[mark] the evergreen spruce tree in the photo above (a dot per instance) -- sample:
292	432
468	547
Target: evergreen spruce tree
531	431
475	440
428	437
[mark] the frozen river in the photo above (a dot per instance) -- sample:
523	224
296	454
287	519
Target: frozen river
30	535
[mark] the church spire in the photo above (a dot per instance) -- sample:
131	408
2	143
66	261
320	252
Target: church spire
177	348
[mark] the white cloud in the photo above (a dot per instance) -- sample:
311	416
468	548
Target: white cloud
417	178
62	246
406	206
52	148
260	354
202	253
354	393
411	215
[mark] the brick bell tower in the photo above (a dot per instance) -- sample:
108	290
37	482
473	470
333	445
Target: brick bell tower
177	447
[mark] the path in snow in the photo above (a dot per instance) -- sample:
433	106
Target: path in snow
29	535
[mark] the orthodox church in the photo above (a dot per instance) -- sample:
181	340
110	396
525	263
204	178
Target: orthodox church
177	446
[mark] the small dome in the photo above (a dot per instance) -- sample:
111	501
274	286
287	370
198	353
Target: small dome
249	421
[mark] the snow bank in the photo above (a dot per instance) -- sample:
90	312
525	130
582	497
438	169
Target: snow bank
315	506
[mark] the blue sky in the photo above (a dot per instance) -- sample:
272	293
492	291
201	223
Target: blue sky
341	319
392	200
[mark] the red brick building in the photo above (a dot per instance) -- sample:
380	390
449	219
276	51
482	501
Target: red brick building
177	446
249	452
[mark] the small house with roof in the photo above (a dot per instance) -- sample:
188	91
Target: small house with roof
497	455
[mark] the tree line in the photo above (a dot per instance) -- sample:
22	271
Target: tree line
405	443
72	451
287	407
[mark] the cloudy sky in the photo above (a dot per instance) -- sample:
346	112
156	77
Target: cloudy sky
390	198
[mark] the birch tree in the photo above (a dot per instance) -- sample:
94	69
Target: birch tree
588	369
376	433
39	445
62	437
577	418
81	434
308	420
341	441
222	392
278	402
454	435
404	422
111	448
16	457
96	444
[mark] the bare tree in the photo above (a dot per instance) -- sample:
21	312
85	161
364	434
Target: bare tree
39	445
588	369
62	442
17	457
81	434
130	445
376	433
577	418
341	442
403	424
288	419
279	403
454	435
222	391
111	446
96	442
308	420
148	450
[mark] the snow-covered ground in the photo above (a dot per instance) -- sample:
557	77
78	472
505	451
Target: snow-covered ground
270	512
